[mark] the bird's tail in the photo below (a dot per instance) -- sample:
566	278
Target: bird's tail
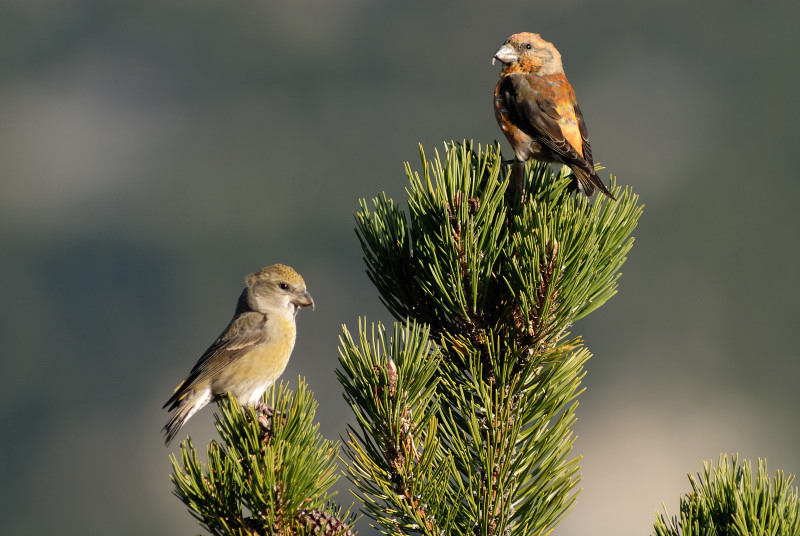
588	182
184	409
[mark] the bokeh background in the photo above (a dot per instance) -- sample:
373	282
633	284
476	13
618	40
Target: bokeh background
154	152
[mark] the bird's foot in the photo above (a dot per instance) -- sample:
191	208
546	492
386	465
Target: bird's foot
262	408
265	415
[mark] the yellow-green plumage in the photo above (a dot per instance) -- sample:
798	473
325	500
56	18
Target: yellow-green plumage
252	351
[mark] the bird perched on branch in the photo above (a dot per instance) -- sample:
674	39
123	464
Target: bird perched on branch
251	352
535	106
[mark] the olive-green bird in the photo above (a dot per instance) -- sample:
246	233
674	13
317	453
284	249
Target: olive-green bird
251	352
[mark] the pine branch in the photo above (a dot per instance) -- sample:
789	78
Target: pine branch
396	461
482	443
273	465
728	500
512	439
469	261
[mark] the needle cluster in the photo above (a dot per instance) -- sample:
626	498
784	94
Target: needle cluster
730	500
270	473
465	412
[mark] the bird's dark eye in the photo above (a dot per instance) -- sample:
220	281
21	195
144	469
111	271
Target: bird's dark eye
283	286
528	46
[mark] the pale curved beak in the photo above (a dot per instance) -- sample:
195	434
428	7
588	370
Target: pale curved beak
304	299
505	54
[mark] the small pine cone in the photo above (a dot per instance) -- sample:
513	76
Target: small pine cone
323	524
391	372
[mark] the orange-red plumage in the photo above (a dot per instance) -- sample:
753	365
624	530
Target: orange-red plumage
535	106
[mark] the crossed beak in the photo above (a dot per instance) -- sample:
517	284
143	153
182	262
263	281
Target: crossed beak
304	299
505	54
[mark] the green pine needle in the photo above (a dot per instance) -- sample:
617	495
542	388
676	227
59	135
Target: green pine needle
728	500
463	259
257	481
473	436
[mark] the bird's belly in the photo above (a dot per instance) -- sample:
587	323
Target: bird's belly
250	375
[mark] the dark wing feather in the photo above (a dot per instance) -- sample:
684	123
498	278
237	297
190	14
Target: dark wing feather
587	149
587	156
537	117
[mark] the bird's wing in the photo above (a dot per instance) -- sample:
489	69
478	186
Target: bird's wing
587	149
243	333
536	114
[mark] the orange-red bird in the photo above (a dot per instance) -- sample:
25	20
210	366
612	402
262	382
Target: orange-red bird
535	107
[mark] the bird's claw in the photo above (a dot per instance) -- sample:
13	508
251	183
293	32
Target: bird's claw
264	415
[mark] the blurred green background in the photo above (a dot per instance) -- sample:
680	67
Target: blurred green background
153	153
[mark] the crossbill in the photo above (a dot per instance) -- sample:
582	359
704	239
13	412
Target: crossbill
251	352
535	106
